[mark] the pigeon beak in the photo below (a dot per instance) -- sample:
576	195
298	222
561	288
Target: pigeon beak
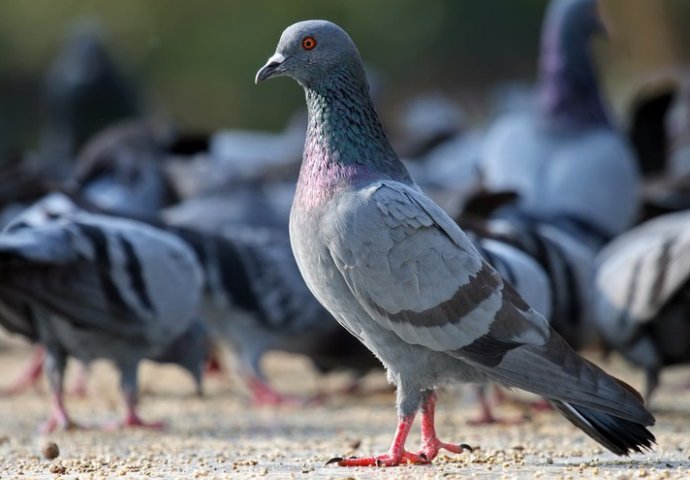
270	69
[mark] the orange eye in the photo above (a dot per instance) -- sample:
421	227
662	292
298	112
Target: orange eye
308	43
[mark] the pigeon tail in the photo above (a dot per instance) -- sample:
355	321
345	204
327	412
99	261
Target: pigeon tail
619	435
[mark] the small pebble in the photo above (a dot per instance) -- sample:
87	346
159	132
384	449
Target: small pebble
50	450
58	469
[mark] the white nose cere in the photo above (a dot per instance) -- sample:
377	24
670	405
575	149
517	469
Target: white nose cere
271	63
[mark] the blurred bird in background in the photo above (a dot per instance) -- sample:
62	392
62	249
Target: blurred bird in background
89	287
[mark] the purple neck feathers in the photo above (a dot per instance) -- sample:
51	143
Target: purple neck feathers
568	89
345	143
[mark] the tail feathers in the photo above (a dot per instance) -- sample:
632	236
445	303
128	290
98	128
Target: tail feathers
619	435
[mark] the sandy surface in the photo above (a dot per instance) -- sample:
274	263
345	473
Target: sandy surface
220	436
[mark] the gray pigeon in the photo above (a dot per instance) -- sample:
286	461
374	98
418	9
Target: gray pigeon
256	301
121	169
401	276
567	264
85	91
90	286
642	299
565	159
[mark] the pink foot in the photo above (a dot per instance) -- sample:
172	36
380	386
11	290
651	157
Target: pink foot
385	460
431	447
263	395
490	419
213	365
78	388
486	416
541	406
30	376
58	422
397	454
132	420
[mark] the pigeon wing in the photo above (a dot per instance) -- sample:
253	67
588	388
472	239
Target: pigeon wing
416	273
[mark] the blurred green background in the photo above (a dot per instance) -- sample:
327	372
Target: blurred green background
196	60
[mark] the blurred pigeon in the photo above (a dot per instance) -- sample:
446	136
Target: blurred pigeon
642	300
85	91
246	155
256	301
402	277
677	124
250	203
427	121
121	169
647	130
565	160
528	278
662	132
444	152
90	286
567	265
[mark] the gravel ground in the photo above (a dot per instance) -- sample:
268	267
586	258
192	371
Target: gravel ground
219	436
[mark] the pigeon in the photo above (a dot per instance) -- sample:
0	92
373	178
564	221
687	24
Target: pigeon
255	301
245	154
90	286
564	158
642	298
661	134
84	92
400	275
647	129
249	203
427	121
528	278
567	265
121	169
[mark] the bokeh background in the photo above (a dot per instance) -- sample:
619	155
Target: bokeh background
196	60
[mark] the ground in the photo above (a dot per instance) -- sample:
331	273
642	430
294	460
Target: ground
220	436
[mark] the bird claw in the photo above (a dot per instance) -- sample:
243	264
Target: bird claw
385	460
134	421
59	423
430	450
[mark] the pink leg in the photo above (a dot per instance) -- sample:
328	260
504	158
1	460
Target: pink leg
78	388
213	364
55	368
265	395
30	375
431	445
132	418
395	456
59	417
538	405
486	416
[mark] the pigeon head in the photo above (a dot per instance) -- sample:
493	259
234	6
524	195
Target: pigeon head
573	21
310	52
